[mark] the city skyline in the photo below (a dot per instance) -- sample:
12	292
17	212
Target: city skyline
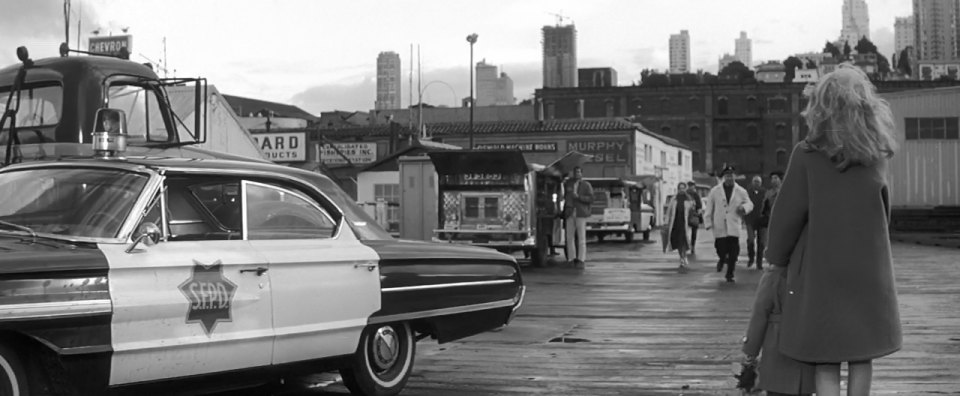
307	54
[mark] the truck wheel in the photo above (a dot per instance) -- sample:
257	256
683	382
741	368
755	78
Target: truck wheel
13	379
628	236
646	235
383	361
600	237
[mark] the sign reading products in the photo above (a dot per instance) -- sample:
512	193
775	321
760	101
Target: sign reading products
608	151
358	153
282	147
533	147
111	45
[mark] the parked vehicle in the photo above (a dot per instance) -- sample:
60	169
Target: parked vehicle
618	209
494	199
131	264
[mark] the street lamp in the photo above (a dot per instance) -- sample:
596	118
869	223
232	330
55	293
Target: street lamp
472	39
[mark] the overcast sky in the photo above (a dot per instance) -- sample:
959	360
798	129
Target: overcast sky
321	55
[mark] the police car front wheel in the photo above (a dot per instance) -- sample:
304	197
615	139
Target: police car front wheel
13	380
383	361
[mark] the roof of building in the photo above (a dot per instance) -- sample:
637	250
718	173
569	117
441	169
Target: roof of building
666	139
495	127
245	106
420	146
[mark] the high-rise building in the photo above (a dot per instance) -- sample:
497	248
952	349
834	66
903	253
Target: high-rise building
680	52
937	38
743	50
559	56
904	34
388	81
491	89
856	22
935	32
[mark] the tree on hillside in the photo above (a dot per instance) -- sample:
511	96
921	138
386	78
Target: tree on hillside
865	46
790	65
903	62
883	65
655	80
709	78
736	71
832	50
846	50
811	64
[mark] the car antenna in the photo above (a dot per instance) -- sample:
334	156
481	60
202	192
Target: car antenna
11	113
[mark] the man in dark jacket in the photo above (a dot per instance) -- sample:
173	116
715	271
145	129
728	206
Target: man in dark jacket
577	197
698	206
769	199
752	220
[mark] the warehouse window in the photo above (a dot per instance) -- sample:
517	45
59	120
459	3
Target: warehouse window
932	128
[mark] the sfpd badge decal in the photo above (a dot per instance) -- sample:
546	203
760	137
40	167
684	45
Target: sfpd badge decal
210	295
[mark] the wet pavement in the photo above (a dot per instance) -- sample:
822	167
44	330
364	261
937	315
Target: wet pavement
630	324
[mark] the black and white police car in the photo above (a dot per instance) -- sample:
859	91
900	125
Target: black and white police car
124	273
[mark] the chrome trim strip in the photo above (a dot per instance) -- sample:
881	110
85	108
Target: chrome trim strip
446	285
56	309
519	302
441	312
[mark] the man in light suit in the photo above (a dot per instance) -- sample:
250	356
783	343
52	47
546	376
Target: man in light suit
727	203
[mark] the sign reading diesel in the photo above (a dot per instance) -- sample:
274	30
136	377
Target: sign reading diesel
608	151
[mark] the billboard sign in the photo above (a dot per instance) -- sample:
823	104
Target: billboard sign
358	153
282	147
111	45
532	147
603	150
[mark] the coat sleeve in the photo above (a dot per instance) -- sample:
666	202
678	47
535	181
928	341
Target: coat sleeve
708	211
762	306
747	201
789	216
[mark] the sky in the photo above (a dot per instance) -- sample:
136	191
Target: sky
321	55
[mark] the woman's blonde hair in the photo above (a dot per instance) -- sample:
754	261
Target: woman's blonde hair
848	121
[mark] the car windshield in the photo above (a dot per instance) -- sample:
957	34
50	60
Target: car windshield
82	203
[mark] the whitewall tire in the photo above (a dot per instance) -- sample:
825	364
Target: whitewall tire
383	361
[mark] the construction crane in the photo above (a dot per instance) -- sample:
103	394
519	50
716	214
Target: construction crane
560	18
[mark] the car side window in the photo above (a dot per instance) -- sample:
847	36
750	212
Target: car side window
275	212
204	208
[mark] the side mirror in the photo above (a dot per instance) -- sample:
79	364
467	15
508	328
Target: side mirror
148	233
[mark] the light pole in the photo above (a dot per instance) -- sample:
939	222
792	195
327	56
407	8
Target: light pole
472	39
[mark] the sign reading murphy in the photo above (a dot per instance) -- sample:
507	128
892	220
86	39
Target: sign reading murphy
603	150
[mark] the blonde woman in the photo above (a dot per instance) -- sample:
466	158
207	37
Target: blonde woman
677	211
829	228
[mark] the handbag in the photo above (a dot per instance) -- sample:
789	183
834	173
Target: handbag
693	218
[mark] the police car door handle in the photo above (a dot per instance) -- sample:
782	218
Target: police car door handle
368	266
258	270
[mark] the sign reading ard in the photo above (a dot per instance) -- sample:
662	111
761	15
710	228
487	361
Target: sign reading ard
111	45
532	147
282	147
608	151
357	153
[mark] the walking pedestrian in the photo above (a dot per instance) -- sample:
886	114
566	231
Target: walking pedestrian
779	375
727	203
679	209
830	228
752	221
776	177
577	197
694	221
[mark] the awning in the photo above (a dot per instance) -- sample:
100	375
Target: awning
571	160
458	162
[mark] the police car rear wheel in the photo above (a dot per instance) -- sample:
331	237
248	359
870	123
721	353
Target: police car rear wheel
13	380
383	361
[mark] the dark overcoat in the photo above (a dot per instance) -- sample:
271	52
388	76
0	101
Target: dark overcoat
830	228
778	373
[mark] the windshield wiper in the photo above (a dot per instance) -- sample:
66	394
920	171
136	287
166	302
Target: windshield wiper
21	228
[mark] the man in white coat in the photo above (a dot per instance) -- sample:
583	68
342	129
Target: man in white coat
727	203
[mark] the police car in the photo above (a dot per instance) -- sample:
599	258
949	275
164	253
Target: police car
127	273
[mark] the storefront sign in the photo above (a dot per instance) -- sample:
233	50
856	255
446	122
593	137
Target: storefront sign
608	151
358	153
481	179
533	147
111	45
282	147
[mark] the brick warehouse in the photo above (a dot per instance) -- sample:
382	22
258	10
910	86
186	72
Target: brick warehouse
752	126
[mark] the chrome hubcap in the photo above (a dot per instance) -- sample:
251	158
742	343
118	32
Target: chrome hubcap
385	348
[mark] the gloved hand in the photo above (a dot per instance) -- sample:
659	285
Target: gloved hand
747	378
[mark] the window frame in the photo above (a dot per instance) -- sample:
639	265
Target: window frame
244	189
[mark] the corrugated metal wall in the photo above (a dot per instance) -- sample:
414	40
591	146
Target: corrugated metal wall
925	173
